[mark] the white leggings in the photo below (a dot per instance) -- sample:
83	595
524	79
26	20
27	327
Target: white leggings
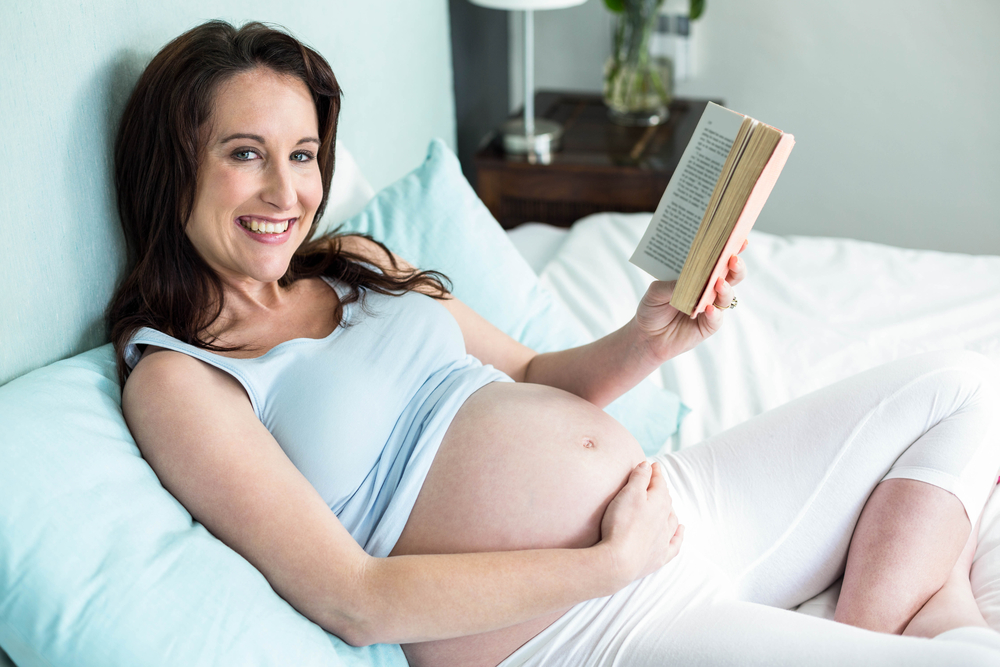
769	508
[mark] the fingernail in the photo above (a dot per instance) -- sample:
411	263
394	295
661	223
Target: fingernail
644	464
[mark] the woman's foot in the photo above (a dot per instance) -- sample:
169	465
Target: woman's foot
954	606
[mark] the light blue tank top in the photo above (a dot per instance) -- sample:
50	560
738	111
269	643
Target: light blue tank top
360	413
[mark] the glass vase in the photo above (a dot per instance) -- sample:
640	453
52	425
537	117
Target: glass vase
638	84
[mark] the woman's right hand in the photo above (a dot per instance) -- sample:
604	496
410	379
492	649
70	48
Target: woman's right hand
639	525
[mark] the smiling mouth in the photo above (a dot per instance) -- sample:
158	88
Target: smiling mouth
264	226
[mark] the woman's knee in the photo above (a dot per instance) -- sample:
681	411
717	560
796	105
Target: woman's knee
971	378
974	363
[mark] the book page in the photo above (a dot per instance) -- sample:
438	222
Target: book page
665	245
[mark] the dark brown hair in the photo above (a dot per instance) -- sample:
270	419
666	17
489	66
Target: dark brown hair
168	286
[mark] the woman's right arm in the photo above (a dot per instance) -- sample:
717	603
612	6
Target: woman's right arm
196	428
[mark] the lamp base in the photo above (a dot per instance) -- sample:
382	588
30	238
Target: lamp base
544	141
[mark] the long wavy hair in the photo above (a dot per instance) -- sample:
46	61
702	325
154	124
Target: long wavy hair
167	285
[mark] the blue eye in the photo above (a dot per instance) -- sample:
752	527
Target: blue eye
245	154
302	156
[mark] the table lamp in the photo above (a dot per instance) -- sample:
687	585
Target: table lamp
535	137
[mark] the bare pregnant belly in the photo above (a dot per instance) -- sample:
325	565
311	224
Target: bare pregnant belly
522	466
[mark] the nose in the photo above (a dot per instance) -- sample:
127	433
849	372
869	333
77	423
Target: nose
279	186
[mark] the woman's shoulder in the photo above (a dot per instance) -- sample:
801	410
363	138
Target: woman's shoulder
162	367
158	360
171	378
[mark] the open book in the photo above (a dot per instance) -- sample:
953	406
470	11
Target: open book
721	183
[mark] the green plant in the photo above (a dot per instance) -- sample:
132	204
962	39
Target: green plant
637	85
695	9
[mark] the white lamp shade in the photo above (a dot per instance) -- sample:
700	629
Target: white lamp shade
527	4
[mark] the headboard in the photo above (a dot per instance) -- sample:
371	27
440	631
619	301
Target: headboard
66	70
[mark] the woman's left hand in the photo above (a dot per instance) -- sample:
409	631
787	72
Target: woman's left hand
669	332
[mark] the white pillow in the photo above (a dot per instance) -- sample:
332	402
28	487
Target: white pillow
537	242
350	191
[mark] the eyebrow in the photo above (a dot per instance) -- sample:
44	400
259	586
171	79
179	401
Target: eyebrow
259	139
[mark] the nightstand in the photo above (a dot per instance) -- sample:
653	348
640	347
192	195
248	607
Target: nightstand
600	167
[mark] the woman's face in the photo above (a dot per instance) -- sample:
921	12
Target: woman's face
258	170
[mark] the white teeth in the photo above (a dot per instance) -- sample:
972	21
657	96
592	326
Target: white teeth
265	227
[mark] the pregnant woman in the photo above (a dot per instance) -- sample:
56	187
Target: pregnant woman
401	471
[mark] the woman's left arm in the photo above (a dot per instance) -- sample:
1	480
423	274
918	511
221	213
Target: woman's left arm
603	370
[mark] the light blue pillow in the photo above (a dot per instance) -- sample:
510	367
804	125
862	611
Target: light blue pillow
100	566
433	219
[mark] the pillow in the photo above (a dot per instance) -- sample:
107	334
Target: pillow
350	191
433	219
538	243
100	566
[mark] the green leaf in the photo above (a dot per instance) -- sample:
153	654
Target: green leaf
697	9
617	6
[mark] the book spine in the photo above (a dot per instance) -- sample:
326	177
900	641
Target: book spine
755	202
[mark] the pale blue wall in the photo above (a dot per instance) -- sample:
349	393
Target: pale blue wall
65	71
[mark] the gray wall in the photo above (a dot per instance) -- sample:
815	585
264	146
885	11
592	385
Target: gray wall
892	104
480	63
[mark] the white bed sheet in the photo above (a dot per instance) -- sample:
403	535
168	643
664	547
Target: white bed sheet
813	311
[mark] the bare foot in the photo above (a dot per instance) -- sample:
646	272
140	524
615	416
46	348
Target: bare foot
954	606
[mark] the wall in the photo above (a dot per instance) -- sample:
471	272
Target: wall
479	48
65	71
892	104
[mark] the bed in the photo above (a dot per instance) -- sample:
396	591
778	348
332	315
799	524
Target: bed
100	566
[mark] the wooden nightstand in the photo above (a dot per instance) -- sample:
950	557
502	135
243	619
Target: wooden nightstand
601	166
